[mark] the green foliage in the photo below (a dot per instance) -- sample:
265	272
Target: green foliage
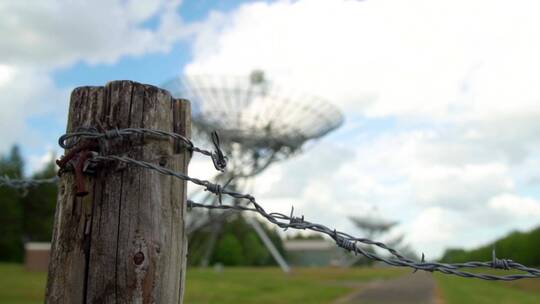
11	246
24	218
228	251
13	164
254	253
237	245
38	206
518	246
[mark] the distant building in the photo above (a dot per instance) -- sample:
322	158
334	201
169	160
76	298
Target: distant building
36	256
313	253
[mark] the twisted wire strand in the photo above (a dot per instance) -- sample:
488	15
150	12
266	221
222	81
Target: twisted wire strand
26	182
70	140
342	239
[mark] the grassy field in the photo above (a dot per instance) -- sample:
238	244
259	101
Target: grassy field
232	285
270	285
20	287
461	290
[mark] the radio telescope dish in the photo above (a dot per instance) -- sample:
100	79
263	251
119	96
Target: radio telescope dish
258	124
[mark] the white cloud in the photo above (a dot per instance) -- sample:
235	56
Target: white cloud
456	82
56	33
386	57
38	163
40	36
435	228
6	72
27	92
513	206
459	187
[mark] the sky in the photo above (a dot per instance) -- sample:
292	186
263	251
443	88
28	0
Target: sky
440	98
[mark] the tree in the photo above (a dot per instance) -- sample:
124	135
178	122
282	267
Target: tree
252	251
229	251
11	245
517	246
24	217
38	207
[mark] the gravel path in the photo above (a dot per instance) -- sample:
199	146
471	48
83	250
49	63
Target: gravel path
417	288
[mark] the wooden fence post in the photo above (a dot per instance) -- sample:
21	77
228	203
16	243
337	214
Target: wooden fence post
125	241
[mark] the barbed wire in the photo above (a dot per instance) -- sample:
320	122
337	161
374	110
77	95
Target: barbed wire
26	183
342	239
70	140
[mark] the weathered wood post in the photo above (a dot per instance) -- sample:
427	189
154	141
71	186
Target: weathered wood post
125	241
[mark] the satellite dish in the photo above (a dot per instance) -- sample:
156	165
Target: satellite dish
258	123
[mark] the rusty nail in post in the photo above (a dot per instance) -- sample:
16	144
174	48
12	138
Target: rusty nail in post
138	258
79	175
71	154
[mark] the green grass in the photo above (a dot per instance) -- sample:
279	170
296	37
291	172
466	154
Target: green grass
232	285
270	285
461	290
20	287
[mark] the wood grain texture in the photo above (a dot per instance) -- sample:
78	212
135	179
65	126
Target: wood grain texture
125	242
